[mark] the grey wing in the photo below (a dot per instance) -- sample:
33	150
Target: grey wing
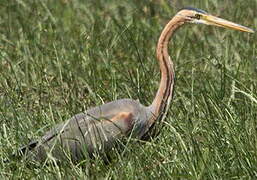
96	130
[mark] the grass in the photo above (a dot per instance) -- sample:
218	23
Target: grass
58	58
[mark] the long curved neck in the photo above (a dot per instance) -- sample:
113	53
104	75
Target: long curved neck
164	94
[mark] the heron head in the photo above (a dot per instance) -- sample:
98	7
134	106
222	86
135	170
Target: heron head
199	16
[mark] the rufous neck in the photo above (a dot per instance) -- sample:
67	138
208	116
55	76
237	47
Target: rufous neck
165	92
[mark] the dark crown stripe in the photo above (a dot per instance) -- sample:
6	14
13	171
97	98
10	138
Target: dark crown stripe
195	9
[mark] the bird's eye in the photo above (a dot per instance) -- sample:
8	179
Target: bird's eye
198	16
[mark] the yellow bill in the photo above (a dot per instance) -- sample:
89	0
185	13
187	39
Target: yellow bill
212	20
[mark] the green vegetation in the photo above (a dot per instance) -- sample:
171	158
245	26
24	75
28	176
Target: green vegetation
60	57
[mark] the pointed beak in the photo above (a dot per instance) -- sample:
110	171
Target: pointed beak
215	21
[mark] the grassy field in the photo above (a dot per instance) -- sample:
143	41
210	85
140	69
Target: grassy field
60	57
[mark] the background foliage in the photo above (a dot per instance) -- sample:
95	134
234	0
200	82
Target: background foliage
60	57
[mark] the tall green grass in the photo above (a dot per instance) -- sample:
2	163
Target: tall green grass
61	57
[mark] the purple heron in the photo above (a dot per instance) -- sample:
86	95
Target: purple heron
100	128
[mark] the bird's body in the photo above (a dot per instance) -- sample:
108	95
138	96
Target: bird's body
97	129
100	128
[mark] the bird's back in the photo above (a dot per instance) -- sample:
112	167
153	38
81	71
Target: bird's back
96	130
